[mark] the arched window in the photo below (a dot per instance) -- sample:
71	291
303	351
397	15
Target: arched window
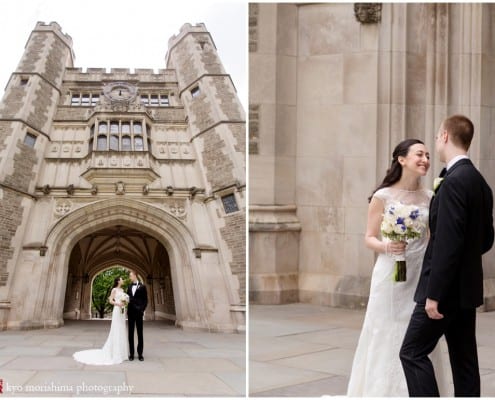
114	142
102	127
114	127
126	128
119	135
126	143
138	129
138	143
102	142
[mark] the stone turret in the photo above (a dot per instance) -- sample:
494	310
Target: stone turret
217	128
26	114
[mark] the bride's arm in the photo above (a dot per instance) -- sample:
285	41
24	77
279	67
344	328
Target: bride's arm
372	236
112	300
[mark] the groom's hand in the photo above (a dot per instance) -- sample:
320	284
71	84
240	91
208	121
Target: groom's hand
431	308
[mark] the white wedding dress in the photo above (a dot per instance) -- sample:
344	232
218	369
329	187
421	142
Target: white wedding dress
377	370
116	348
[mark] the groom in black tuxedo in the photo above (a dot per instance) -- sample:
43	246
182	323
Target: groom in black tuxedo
451	282
138	300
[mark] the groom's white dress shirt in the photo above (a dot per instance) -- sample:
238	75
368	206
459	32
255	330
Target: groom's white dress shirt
454	160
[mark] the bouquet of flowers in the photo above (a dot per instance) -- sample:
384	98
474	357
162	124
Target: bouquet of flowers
401	224
125	300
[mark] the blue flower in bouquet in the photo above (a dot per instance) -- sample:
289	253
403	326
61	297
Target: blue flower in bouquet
414	214
401	223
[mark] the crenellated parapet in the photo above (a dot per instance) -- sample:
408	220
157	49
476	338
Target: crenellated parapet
142	75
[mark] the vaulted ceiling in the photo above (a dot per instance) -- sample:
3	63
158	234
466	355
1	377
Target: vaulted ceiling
118	243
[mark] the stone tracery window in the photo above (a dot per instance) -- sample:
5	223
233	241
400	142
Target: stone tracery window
114	142
116	135
101	144
126	143
138	143
126	128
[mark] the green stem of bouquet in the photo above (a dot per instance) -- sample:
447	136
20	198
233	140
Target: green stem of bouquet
400	271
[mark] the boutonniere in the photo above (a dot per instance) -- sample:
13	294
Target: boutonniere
436	183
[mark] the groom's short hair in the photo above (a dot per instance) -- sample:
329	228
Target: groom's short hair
460	129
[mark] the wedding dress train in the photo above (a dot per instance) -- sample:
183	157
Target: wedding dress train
116	348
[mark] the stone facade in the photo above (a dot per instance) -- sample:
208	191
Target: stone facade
331	98
101	168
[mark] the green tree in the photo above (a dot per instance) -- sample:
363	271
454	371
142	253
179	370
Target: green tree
102	286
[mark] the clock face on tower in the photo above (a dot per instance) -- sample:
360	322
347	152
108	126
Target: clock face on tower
119	92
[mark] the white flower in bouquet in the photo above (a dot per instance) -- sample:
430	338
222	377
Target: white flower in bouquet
124	299
401	223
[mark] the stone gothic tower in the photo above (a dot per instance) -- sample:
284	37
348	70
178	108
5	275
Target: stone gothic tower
26	114
217	126
139	169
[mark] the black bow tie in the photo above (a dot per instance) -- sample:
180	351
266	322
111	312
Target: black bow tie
134	284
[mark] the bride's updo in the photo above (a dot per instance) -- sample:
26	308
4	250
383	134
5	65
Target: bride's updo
394	173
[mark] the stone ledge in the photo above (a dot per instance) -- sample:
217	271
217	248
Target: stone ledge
5	305
274	297
281	288
273	218
341	300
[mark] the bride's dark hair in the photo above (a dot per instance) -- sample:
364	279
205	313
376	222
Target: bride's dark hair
394	173
116	282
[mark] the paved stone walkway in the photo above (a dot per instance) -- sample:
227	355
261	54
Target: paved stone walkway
177	363
306	350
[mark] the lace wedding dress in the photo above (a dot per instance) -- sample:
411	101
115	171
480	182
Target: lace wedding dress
377	370
116	348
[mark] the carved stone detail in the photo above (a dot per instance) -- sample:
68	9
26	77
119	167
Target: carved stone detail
120	95
368	13
120	187
178	210
253	27
63	207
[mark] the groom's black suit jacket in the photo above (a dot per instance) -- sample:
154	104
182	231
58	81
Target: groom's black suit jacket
461	231
138	302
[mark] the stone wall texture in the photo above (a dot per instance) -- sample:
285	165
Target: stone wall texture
10	218
234	235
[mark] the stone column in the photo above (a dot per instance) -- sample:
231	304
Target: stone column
273	223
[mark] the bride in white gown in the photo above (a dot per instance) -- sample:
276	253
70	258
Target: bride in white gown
116	348
376	370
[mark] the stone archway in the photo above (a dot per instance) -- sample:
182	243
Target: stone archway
130	248
192	308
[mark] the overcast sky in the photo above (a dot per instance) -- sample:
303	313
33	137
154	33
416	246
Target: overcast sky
126	34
